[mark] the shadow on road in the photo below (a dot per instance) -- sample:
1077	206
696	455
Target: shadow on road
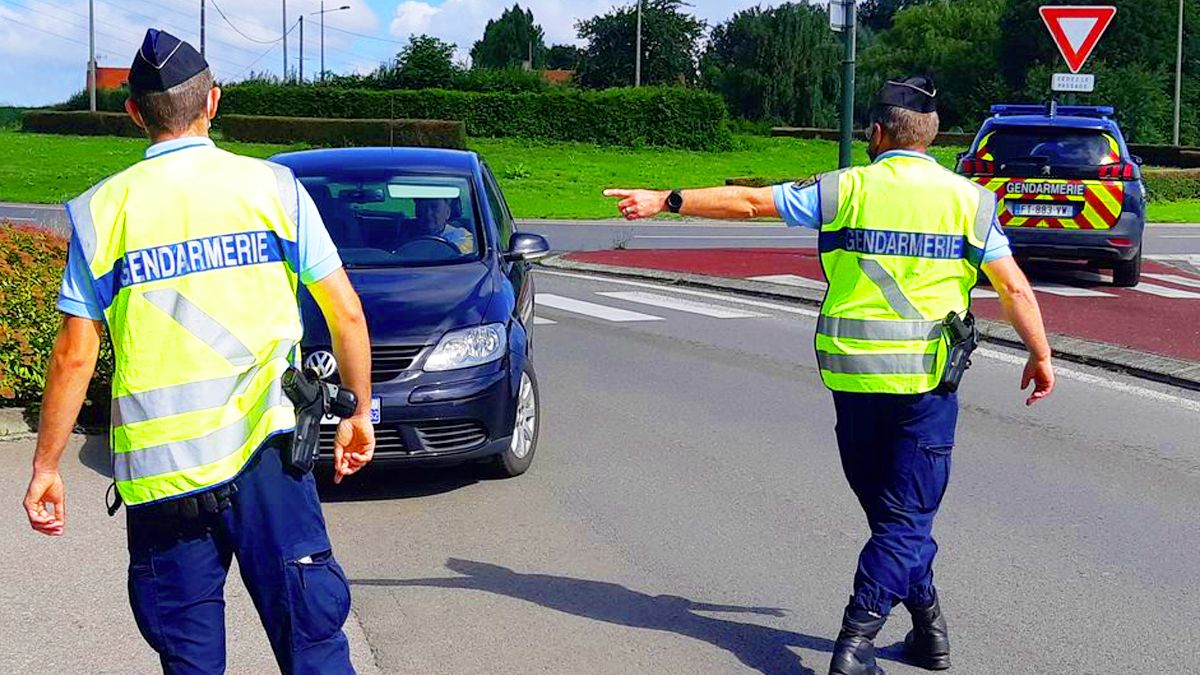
383	482
94	455
761	648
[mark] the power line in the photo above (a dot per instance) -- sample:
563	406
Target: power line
43	30
364	35
239	31
253	63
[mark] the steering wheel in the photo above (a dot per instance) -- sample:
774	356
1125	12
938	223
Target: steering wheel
428	242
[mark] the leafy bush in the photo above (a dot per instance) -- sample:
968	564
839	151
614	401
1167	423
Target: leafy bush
80	123
337	133
1168	185
510	80
10	117
649	116
107	100
31	265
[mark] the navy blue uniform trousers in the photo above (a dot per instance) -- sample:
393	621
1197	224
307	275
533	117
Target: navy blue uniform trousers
275	529
896	456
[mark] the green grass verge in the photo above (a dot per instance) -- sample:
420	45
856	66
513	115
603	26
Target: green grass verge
540	180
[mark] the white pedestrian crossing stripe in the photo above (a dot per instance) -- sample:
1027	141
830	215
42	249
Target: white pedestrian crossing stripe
539	321
680	304
592	309
792	280
1174	279
979	293
1165	291
1070	291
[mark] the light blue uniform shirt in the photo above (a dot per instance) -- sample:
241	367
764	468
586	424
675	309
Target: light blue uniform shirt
801	207
318	257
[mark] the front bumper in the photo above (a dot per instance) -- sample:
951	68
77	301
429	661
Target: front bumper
1121	243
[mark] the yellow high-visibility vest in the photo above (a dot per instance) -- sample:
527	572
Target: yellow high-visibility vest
901	242
189	255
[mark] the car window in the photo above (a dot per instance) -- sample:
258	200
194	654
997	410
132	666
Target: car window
386	220
499	208
1061	147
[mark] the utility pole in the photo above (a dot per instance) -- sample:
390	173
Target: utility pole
637	74
849	47
202	55
92	55
301	49
1178	72
285	32
322	40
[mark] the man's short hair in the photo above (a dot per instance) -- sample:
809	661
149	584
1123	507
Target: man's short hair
906	128
176	109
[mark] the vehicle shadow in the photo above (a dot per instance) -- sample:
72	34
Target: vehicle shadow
762	648
381	482
95	455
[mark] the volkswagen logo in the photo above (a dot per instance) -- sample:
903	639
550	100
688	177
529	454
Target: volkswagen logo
323	363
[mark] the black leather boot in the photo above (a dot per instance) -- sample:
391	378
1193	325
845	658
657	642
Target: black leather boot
927	645
854	652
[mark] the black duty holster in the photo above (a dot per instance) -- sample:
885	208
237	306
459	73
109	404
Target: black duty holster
962	335
314	399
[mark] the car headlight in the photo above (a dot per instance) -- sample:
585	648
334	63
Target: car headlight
468	347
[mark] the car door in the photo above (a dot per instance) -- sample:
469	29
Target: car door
519	272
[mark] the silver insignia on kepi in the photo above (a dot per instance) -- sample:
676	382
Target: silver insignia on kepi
323	363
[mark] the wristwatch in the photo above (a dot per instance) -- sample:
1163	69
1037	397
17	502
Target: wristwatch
675	201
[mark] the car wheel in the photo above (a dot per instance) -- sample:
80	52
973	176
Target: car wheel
1127	273
526	424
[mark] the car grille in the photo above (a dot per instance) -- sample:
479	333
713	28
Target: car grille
451	436
388	362
388	441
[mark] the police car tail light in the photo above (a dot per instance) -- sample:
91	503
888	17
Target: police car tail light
1124	170
977	167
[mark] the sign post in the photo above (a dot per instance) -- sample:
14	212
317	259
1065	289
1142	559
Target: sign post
1076	30
842	18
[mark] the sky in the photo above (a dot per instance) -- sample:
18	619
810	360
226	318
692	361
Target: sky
44	43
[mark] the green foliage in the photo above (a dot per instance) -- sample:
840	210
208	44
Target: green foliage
425	62
510	80
877	15
955	43
670	45
653	116
1137	92
31	265
510	40
81	123
107	100
10	117
339	133
564	57
1170	185
776	64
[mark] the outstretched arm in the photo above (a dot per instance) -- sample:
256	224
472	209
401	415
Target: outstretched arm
1022	311
722	203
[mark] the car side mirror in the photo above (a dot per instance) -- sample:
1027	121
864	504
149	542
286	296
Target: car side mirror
527	247
1137	160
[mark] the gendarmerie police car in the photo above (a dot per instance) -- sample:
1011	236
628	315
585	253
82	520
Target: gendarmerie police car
1067	186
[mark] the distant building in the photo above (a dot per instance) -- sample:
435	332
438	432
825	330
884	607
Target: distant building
109	78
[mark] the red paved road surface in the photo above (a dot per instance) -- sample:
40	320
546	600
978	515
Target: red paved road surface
1130	317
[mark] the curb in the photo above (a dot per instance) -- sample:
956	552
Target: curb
13	426
1164	369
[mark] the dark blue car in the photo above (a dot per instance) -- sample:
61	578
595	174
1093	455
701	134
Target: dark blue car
445	280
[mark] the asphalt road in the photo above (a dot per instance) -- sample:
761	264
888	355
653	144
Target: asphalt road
605	234
687	514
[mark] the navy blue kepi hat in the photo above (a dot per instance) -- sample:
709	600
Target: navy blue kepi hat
914	93
163	62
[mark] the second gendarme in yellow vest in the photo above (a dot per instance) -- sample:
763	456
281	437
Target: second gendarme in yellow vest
189	256
901	243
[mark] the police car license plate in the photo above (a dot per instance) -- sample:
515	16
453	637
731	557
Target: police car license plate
376	413
1043	210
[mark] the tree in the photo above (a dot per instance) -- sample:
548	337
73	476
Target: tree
510	41
878	14
564	57
670	45
778	64
425	63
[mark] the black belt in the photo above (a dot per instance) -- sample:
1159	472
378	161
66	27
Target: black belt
191	507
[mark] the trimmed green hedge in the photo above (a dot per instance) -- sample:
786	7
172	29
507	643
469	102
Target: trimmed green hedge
80	123
649	116
344	132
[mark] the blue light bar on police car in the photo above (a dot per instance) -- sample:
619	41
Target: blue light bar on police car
1003	109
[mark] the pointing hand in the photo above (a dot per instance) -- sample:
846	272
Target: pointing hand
638	204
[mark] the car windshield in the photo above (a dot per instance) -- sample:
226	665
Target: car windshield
1058	147
389	220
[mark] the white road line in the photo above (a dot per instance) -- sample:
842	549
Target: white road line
1179	236
720	236
686	291
1174	279
1094	380
591	309
681	305
983	293
539	321
1165	291
1070	291
792	280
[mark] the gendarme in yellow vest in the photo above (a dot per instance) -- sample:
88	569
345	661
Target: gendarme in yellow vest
189	252
901	243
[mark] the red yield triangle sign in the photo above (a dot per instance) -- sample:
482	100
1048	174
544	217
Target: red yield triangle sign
1077	29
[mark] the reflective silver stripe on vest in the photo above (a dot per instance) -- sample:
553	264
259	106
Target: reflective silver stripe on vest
189	397
867	329
79	212
877	364
189	454
829	188
197	322
289	193
986	213
891	290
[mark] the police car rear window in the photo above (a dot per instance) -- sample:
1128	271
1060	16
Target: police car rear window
1049	146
